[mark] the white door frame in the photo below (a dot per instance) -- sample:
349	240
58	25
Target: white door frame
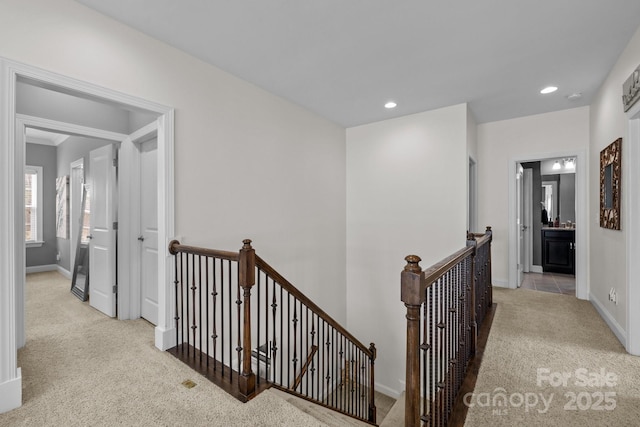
472	191
129	201
12	266
631	177
519	211
582	249
527	198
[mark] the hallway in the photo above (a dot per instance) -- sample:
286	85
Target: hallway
550	282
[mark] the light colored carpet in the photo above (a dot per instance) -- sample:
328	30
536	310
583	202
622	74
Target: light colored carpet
81	368
558	335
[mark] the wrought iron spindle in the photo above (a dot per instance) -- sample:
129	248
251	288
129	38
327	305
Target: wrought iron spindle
239	328
214	335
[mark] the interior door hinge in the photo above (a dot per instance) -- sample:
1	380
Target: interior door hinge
115	225
115	289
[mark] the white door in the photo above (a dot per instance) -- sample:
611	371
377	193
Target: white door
520	222
149	230
102	248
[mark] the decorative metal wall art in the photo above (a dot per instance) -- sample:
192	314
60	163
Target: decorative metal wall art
610	171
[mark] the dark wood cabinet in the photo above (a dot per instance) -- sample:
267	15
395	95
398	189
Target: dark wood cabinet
558	250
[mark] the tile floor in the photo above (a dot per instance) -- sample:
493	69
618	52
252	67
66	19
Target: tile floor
550	282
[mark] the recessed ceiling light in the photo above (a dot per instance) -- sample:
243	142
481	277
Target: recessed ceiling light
548	89
390	105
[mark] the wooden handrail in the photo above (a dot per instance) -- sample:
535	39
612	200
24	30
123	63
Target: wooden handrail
286	285
207	278
439	269
176	247
467	271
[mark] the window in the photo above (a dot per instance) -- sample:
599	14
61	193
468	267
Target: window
33	206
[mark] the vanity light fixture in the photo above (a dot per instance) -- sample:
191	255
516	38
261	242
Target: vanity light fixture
390	104
556	165
569	164
548	89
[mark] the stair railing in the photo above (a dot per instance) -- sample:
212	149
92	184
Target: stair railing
244	326
445	304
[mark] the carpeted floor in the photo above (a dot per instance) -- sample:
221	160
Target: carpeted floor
80	368
552	361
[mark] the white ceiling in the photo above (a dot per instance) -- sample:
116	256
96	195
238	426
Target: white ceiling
343	59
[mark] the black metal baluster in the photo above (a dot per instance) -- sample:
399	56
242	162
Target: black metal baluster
175	284
274	341
295	339
199	308
340	371
321	358
182	301
230	312
432	348
239	330
222	328
282	341
351	375
312	365
334	368
193	317
206	295
214	294
258	333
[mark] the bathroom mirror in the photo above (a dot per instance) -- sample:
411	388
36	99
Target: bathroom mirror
610	168
80	278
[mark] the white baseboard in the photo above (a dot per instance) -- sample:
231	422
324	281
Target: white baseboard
50	267
536	269
11	393
500	283
41	268
165	338
66	273
618	331
388	390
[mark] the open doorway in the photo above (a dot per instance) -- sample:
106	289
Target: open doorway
13	163
547	207
94	174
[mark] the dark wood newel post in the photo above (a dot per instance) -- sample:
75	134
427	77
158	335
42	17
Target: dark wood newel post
412	295
372	381
246	279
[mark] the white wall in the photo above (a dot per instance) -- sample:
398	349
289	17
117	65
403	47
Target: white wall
608	122
406	194
247	163
527	137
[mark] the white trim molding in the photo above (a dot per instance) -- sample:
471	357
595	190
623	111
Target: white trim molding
12	245
618	330
41	268
631	177
581	244
11	393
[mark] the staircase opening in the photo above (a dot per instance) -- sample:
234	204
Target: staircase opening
241	324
